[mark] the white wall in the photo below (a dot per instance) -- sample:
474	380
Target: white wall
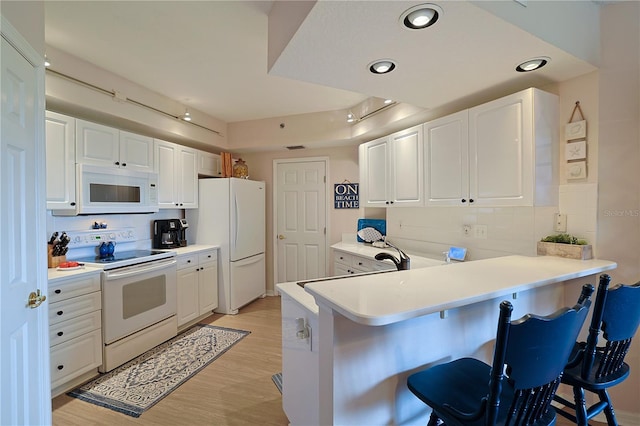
618	171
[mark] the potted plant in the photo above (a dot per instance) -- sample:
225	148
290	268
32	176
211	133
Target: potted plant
564	245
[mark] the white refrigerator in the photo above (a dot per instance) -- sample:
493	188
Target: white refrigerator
231	214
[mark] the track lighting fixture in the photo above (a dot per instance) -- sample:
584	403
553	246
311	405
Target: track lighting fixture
186	116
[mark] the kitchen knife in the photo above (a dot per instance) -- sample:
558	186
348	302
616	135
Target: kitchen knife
53	237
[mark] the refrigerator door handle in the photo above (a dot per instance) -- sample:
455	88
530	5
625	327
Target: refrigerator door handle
249	260
237	223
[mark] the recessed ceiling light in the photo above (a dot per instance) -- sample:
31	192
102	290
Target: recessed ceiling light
382	66
533	64
420	16
388	101
186	116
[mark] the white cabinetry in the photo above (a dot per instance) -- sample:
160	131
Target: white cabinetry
197	286
502	153
348	264
61	161
391	172
176	166
75	330
209	164
105	146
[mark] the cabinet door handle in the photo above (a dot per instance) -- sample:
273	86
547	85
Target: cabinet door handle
117	163
60	333
464	200
57	291
124	164
60	367
470	200
73	204
60	313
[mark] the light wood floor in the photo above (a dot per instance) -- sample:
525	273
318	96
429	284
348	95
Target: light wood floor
235	389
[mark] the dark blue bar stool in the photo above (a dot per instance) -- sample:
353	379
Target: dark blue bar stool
616	313
518	388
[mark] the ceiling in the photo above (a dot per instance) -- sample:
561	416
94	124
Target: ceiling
212	55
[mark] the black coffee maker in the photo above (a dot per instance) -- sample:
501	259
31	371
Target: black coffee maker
169	233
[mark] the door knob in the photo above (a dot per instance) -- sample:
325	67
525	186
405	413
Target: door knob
35	299
281	237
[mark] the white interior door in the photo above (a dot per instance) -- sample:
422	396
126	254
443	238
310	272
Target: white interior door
25	389
301	219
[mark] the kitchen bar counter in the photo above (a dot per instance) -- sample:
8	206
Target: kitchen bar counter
382	299
54	274
349	344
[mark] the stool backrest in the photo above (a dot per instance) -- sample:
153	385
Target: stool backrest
617	313
531	354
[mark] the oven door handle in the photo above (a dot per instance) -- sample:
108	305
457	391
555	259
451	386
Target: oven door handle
126	272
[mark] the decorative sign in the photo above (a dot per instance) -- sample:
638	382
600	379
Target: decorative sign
346	195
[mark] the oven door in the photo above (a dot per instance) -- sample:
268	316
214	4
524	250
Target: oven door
136	297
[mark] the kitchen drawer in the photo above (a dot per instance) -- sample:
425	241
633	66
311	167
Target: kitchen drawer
188	260
75	357
207	256
65	288
72	328
343	258
74	307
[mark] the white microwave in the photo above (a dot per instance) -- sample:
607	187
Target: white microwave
106	190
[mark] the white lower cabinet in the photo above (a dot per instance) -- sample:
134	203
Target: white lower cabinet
75	330
197	286
348	264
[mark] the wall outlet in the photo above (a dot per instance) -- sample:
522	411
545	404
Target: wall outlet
466	230
560	222
480	231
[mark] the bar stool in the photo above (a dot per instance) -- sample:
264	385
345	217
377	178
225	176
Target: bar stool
518	388
616	313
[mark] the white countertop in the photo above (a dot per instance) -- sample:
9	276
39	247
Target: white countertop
192	249
54	274
368	251
386	298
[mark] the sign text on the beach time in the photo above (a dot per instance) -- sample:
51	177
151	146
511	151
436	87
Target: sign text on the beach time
346	196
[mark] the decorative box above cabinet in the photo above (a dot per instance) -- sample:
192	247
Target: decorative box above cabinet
105	146
391	170
502	153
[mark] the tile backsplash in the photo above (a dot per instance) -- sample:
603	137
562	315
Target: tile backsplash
142	223
493	232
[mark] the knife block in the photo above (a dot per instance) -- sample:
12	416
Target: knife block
54	261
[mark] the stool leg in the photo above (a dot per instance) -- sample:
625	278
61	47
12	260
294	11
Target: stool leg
608	410
581	406
434	420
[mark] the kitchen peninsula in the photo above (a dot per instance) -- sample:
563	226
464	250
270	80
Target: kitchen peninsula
350	343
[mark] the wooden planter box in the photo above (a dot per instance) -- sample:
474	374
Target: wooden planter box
570	251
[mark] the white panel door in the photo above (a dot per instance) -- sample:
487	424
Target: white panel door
25	388
446	142
301	220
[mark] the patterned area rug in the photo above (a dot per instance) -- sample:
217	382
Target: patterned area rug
139	384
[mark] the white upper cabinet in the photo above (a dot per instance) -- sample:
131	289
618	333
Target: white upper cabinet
177	175
105	146
209	164
446	151
61	161
507	157
392	170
